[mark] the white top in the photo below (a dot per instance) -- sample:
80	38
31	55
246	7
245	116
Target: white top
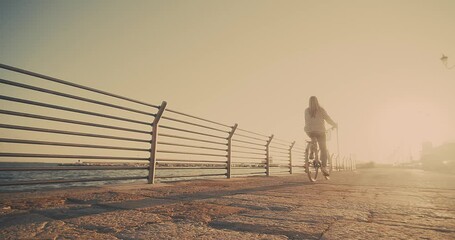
316	123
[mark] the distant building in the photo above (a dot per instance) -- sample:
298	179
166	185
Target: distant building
438	158
427	147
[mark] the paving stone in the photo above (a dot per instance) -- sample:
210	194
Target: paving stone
366	204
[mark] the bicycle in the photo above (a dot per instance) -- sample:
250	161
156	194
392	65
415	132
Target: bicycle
312	162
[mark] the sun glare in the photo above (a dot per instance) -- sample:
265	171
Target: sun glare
401	128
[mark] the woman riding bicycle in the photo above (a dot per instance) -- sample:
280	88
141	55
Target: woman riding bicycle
315	128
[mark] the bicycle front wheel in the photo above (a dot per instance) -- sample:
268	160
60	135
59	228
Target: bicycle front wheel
312	168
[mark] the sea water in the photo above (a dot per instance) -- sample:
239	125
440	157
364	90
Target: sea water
14	176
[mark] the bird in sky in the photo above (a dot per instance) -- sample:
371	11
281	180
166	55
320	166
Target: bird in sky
444	60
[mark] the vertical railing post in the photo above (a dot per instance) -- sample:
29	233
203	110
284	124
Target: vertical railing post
290	157
336	162
152	161
344	163
340	164
338	144
267	156
229	151
350	162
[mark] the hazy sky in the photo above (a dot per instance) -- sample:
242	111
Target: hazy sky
374	65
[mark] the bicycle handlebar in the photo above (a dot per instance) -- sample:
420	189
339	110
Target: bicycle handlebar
331	129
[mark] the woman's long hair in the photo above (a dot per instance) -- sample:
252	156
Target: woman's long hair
313	106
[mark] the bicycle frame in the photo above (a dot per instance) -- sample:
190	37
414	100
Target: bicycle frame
312	162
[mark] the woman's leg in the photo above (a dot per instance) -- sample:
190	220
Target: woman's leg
323	147
314	138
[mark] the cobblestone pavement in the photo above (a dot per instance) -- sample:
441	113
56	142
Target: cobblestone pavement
365	204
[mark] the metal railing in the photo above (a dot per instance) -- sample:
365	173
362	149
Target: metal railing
49	119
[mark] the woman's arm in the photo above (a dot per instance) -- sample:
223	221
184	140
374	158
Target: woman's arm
328	118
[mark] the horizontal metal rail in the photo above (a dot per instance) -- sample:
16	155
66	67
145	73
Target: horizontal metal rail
68	181
274	156
258	134
278	158
193	176
276	161
159	160
280	172
193	132
35	142
299	150
282	152
75	168
280	165
245	136
250	163
276	171
70	133
257	144
288	143
281	148
18	70
202	119
191	146
242	157
46	105
185	168
280	161
21	85
36	155
281	144
28	115
246	152
194	124
249	173
247	167
193	139
191	153
250	148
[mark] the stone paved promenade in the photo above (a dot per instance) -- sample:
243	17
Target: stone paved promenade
366	204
